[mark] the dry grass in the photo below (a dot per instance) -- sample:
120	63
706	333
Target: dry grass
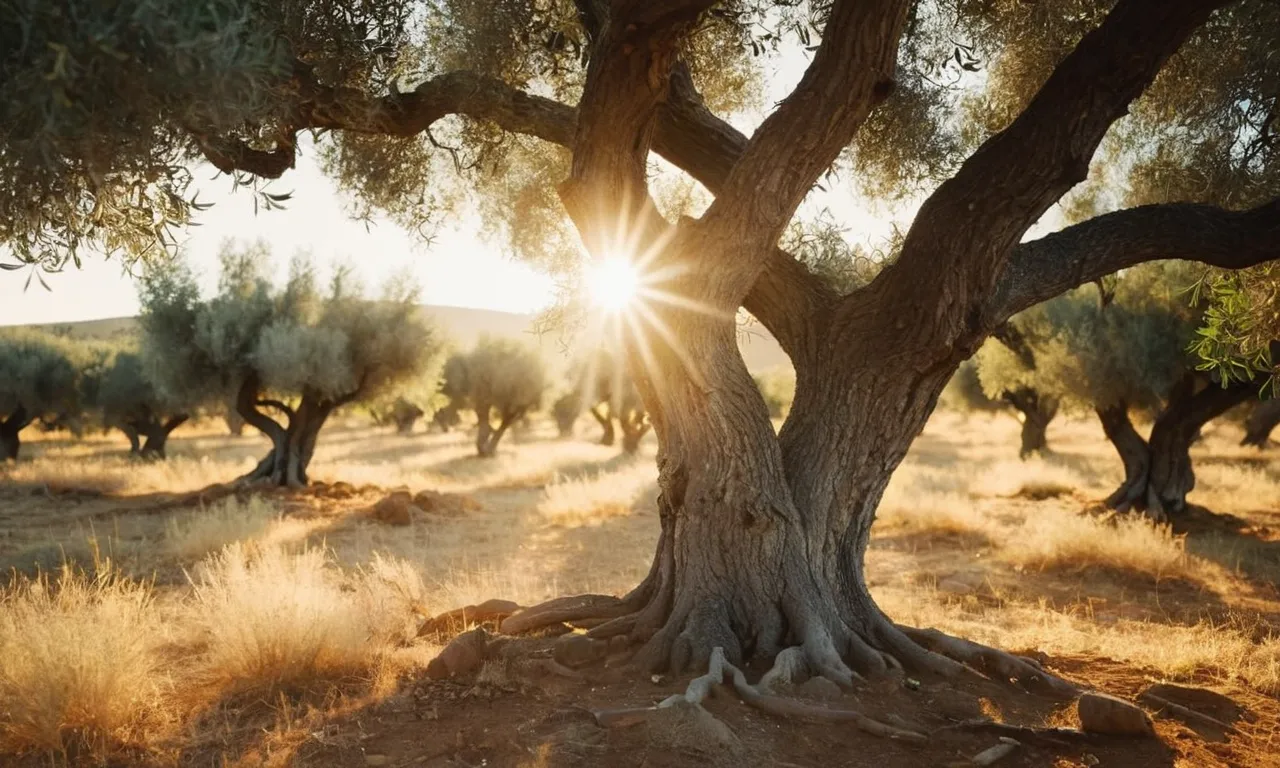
1075	542
192	535
297	597
80	665
270	619
593	499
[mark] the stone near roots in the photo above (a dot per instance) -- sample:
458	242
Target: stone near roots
394	509
819	688
461	657
1100	713
575	651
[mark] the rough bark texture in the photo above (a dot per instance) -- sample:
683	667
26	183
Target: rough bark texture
293	443
10	427
1260	424
1158	471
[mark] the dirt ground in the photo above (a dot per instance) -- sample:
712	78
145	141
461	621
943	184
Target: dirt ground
970	540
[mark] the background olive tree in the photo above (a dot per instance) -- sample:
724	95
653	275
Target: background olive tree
500	380
295	351
1120	349
40	379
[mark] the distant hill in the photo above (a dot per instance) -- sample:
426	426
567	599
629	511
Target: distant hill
463	325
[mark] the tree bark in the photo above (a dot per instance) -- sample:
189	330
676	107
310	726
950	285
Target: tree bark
606	424
487	435
1261	422
130	431
635	425
10	427
1037	411
10	442
1134	454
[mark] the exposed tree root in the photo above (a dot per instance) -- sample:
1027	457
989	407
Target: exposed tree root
1050	737
788	664
823	650
997	664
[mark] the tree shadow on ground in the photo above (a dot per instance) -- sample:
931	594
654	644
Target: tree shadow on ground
1236	543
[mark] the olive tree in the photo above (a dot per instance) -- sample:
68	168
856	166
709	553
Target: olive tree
291	354
763	534
501	380
1118	350
1261	422
603	387
127	400
39	379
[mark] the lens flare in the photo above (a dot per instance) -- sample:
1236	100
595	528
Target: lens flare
613	284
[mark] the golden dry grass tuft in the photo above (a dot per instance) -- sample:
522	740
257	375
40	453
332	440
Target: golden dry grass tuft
1077	541
271	619
593	499
81	668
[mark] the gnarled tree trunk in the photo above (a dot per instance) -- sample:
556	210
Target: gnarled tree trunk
1037	411
487	435
292	443
635	425
1158	472
131	431
605	418
157	434
1261	422
17	420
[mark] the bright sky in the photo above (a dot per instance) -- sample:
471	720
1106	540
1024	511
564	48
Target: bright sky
457	269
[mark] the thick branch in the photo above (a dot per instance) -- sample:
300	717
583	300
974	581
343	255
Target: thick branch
1041	269
850	74
965	231
786	297
627	79
688	135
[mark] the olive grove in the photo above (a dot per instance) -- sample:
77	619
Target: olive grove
290	355
601	386
763	534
